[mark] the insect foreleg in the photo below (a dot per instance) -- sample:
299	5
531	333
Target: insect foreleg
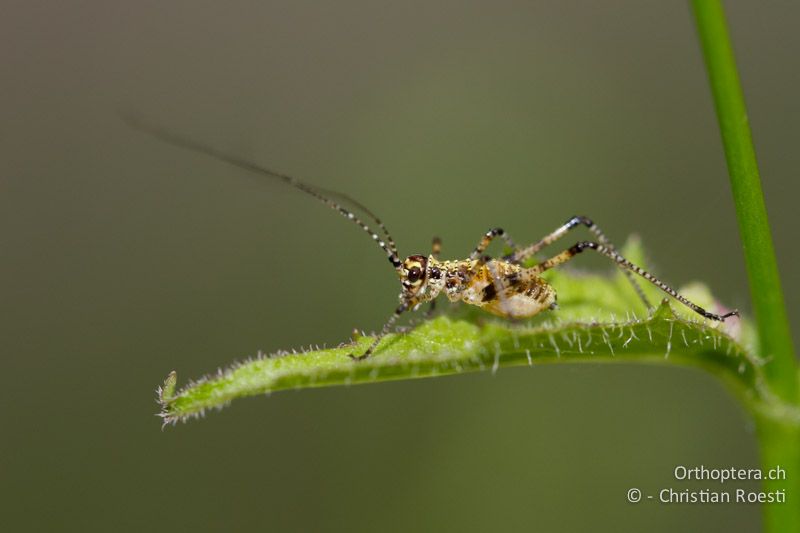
572	223
605	250
487	239
402	308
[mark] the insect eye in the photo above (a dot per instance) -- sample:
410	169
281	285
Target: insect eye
414	274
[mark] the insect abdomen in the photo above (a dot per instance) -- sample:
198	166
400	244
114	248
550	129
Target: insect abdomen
512	294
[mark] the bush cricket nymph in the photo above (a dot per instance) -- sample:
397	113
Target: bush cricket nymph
501	286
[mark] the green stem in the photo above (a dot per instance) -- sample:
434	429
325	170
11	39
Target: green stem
779	440
762	270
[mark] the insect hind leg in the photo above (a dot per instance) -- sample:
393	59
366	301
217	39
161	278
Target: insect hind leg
609	252
572	223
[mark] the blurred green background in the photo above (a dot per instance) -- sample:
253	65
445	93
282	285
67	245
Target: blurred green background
124	258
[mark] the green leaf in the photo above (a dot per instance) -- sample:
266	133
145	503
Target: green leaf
597	322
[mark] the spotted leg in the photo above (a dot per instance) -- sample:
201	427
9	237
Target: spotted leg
609	252
524	253
402	308
487	239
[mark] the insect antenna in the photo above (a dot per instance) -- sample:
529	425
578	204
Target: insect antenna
323	195
346	198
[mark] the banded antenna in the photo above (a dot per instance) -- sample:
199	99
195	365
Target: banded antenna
323	195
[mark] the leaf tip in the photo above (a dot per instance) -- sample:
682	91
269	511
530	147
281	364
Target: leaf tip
167	390
166	393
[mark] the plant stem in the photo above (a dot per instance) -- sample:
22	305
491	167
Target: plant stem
762	270
779	441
